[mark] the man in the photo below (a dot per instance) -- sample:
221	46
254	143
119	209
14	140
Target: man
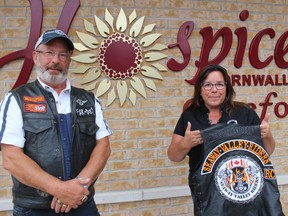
53	137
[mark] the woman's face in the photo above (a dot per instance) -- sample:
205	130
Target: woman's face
213	90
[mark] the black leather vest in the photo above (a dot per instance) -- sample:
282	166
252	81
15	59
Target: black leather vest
236	176
43	142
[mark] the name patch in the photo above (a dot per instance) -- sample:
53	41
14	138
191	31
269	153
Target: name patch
34	108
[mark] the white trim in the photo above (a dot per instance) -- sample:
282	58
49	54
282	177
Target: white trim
137	195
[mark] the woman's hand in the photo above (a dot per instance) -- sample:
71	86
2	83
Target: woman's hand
266	135
181	145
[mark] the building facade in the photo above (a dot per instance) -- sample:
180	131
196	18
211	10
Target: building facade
143	105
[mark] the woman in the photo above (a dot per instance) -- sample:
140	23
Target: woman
212	103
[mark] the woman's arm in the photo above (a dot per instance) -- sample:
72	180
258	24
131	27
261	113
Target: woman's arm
180	146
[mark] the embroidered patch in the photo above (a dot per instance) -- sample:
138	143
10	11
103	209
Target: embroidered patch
269	174
233	145
81	102
34	108
85	112
239	179
33	99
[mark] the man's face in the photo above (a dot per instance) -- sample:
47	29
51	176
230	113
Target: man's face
52	62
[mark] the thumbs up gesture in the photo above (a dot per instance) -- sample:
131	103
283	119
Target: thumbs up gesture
266	135
194	138
264	127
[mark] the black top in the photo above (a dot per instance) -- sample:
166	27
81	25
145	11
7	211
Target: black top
199	120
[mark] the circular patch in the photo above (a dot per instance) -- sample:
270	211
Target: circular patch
239	179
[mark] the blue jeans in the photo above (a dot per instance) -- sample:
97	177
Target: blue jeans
86	209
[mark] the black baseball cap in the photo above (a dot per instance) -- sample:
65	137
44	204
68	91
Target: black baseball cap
52	34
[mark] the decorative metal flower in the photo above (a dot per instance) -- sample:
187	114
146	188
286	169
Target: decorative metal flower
120	57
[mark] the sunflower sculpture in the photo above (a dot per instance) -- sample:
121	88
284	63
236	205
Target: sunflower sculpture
126	57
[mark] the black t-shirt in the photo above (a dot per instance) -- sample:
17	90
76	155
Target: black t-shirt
198	118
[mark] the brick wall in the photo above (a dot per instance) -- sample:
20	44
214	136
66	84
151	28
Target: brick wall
142	132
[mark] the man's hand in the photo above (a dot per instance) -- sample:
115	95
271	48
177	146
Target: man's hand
70	195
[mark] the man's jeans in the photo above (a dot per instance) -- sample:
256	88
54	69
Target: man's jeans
86	209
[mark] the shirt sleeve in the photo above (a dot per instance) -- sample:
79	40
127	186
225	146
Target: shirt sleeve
104	129
180	126
11	122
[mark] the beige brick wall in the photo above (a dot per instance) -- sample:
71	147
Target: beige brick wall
142	132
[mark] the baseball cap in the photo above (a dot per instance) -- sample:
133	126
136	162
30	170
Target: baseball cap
52	34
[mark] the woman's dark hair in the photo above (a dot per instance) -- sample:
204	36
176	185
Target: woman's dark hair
197	100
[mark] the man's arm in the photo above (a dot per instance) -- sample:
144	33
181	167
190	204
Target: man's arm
30	173
98	160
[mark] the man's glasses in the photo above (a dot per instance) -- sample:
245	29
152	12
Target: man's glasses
63	56
218	85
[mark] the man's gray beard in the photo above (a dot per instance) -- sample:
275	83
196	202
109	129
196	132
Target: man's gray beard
47	78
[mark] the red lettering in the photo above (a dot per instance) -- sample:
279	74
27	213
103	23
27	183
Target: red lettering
66	17
184	33
269	81
276	109
254	49
266	104
35	29
242	40
235	79
246	80
258	79
252	105
280	51
208	42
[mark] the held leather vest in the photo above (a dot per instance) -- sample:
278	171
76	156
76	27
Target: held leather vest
236	176
43	141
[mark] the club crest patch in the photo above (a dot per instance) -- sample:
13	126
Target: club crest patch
239	179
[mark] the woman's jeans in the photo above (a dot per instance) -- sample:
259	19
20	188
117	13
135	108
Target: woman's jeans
86	209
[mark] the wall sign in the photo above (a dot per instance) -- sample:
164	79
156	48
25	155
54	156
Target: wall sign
226	35
128	50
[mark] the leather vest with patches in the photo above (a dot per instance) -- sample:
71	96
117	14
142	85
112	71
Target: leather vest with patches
236	175
43	142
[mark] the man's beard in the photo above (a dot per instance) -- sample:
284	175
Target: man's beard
46	77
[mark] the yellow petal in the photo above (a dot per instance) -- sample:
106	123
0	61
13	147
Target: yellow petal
92	75
136	27
160	67
132	97
102	27
157	47
90	87
151	72
154	56
88	40
103	87
111	97
81	69
89	27
122	91
132	16
85	58
80	47
109	18
150	84
148	28
121	22
138	86
149	39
